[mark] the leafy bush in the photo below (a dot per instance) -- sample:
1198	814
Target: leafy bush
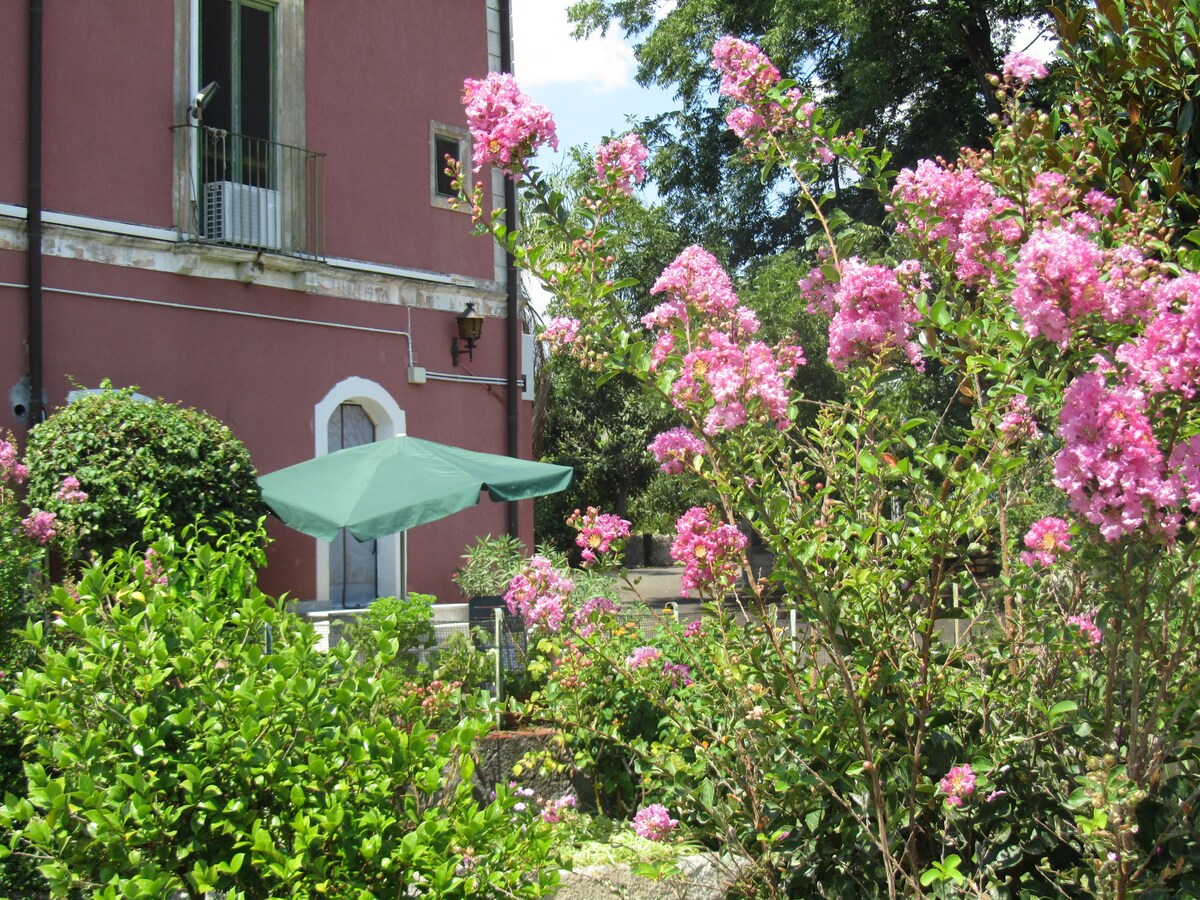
409	621
489	565
130	455
185	735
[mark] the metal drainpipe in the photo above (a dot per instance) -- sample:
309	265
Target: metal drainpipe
513	342
34	213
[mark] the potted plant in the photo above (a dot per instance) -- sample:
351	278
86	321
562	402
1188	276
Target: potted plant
489	565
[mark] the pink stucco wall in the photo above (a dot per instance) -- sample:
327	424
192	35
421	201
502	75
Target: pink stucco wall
376	74
370	110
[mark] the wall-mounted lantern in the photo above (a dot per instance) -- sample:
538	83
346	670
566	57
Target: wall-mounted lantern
470	327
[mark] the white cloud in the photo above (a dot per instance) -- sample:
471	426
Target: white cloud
544	53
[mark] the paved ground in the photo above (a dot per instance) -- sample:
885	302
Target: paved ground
659	587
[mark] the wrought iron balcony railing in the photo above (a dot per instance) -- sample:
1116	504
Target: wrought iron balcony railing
244	191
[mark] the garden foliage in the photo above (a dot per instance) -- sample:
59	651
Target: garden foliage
993	684
185	734
131	455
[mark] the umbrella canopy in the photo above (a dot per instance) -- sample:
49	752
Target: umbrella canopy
390	485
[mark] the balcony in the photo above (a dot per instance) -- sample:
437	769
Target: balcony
243	191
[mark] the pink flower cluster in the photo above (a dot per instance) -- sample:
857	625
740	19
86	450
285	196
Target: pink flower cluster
152	569
1045	539
677	674
955	206
506	126
1062	275
538	594
554	811
737	380
1185	468
39	526
874	314
561	332
619	161
1111	466
11	467
747	76
654	823
732	378
1022	68
1018	423
587	616
70	492
642	656
958	784
695	283
1087	627
746	72
598	533
709	552
1167	355
676	449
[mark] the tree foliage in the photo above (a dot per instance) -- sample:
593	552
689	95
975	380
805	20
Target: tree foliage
912	73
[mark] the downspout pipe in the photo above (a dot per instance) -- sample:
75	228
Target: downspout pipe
513	321
34	215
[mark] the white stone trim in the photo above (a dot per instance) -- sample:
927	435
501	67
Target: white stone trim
161	250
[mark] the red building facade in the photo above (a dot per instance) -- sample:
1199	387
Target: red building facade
278	251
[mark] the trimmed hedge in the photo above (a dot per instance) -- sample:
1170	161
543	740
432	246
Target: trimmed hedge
131	455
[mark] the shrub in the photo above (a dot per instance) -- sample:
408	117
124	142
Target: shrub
131	455
409	621
184	734
488	566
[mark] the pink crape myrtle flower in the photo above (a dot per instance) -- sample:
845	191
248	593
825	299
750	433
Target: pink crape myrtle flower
539	594
746	72
598	533
506	126
555	810
731	378
1057	281
587	616
1110	465
561	331
642	656
1018	422
875	313
1185	464
1045	539
39	526
620	161
710	553
152	569
677	674
696	281
958	784
1022	68
955	206
676	450
69	492
11	467
1166	357
1087	627
654	823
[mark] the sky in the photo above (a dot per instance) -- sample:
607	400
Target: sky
588	85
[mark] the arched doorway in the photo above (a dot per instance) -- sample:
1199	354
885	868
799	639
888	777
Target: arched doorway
352	573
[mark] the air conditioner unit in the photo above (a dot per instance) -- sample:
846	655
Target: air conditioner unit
241	214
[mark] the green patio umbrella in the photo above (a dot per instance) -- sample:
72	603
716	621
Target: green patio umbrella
391	485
